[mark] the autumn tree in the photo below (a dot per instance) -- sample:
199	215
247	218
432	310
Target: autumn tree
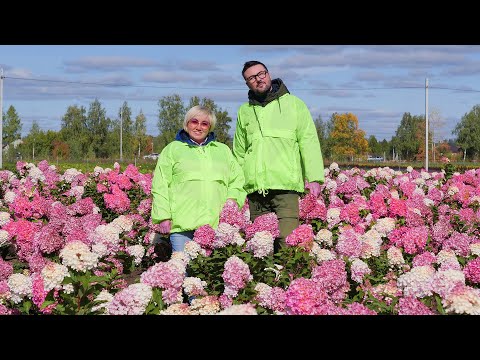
347	139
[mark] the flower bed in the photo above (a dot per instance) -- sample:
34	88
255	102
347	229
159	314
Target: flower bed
374	242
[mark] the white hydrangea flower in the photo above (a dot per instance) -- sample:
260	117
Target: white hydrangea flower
9	197
78	256
4	218
107	298
53	275
4	238
137	251
20	286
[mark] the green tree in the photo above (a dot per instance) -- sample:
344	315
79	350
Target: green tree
73	131
170	119
98	127
406	141
140	139
12	126
374	146
468	133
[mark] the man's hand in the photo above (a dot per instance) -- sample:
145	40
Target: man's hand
313	187
165	226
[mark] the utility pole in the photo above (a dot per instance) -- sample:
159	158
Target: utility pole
121	129
426	124
1	118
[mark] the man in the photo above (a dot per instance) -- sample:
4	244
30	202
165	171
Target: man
277	146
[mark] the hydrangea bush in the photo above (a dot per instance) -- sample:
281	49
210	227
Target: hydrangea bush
375	241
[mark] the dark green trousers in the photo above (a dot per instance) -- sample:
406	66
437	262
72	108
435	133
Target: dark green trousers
284	204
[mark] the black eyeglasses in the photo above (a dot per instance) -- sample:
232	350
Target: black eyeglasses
260	75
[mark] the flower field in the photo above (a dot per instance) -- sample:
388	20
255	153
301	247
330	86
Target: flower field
375	242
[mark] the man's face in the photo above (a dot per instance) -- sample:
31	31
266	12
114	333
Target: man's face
253	78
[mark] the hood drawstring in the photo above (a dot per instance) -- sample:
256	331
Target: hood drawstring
263	192
279	107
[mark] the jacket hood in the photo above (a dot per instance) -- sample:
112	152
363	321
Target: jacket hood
278	89
183	136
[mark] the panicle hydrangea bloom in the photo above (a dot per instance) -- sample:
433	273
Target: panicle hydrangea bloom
384	225
324	237
132	300
445	280
475	249
4	218
301	236
371	244
472	271
208	305
227	234
239	309
205	236
194	286
6	269
272	298
193	249
321	254
123	223
106	299
4	238
9	197
395	257
107	235
426	258
164	275
459	243
117	201
261	244
462	300
20	286
232	215
53	275
417	282
177	309
410	305
305	297
358	270
137	251
70	174
236	275
78	256
333	216
331	276
349	243
265	222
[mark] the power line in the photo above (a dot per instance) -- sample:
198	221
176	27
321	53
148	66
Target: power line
239	89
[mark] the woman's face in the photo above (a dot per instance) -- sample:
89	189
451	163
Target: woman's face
198	127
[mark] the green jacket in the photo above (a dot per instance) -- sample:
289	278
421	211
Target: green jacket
191	183
276	142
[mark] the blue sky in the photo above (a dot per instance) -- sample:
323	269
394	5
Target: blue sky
376	83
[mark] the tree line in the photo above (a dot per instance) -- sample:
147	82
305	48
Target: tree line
91	135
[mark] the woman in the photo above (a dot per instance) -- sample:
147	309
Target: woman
194	177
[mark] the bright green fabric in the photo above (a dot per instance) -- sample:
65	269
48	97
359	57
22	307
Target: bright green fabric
191	184
277	145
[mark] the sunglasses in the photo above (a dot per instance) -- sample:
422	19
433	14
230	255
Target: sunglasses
196	122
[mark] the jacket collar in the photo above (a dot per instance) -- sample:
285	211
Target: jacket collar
278	89
183	136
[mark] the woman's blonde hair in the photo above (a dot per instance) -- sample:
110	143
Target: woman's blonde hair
199	109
